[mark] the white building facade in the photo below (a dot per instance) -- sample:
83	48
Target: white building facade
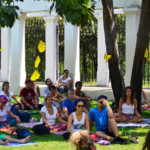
13	57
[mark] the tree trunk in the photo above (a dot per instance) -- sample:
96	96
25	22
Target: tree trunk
116	77
141	44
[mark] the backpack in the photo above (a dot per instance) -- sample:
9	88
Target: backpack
40	129
21	132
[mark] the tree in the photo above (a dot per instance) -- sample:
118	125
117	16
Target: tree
8	13
112	49
141	44
75	17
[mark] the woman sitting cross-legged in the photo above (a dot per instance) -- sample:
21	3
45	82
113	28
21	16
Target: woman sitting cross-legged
4	109
49	114
128	107
77	119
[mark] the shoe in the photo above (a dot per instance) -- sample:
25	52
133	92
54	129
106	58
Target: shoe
134	139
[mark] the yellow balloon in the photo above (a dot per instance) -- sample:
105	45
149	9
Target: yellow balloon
35	75
37	61
41	46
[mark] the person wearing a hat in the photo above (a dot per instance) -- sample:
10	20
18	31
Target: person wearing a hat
28	97
4	109
104	120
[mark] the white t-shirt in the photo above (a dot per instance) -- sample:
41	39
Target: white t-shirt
50	118
66	80
8	97
4	112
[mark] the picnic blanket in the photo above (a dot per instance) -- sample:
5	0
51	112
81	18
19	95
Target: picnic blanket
28	124
18	144
8	131
144	123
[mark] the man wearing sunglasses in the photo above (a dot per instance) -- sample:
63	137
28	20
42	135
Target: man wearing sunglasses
104	120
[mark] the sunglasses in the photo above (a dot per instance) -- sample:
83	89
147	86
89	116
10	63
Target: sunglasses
101	102
81	106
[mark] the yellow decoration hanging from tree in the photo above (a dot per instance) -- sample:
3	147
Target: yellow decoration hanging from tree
2	49
107	57
35	75
37	61
41	46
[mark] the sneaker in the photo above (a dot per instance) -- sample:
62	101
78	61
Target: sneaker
134	139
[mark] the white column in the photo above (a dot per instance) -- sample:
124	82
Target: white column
132	23
17	63
5	54
50	55
102	70
72	51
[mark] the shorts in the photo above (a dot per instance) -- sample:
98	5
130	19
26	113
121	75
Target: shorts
2	135
106	131
127	116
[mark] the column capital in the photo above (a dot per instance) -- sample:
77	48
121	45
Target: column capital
22	16
133	10
53	17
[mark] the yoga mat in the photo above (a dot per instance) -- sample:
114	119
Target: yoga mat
144	123
18	144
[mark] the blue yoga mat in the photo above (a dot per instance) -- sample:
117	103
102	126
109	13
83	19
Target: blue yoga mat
18	144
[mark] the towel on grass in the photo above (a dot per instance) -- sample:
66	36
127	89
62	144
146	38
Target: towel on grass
18	144
144	123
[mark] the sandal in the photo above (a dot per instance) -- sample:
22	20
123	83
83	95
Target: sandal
134	139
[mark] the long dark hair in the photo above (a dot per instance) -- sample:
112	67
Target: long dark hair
6	82
125	96
147	142
77	104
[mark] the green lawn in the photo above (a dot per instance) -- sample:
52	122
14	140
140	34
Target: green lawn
56	142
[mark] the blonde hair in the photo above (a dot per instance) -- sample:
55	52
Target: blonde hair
81	140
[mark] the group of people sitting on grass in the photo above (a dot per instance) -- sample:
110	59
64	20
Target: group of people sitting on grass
72	109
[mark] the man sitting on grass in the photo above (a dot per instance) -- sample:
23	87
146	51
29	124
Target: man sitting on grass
104	120
81	95
28	97
69	104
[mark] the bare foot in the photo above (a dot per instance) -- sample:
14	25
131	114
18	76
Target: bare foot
25	140
6	142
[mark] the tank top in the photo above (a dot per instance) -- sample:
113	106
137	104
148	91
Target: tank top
78	125
127	109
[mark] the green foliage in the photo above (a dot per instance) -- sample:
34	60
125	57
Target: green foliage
8	13
77	12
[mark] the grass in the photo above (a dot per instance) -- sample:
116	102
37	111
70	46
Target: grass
56	142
